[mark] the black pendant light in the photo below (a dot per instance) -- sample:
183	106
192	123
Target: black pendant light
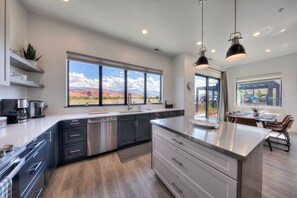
236	51
202	61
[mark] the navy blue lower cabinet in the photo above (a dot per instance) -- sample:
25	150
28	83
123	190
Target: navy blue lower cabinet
143	130
73	143
51	151
126	133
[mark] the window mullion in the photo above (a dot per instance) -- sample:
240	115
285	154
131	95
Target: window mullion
126	88
145	88
100	85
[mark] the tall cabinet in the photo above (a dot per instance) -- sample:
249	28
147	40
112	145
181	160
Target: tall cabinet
4	45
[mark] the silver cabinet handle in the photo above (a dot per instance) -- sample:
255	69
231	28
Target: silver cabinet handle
175	140
176	161
35	166
75	151
39	193
34	155
177	188
50	136
74	123
136	123
75	135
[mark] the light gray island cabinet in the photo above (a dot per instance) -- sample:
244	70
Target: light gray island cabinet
197	162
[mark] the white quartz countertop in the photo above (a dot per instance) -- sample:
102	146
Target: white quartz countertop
21	134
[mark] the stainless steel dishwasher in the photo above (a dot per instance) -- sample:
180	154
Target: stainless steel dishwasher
102	135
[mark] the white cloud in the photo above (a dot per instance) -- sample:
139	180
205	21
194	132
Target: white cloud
79	80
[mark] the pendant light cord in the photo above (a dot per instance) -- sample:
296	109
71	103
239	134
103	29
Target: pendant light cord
202	1
235	16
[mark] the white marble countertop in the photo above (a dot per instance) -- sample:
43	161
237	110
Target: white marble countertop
235	140
21	134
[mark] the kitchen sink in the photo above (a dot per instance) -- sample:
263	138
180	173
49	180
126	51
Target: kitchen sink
131	111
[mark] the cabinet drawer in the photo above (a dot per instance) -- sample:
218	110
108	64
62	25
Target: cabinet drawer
33	165
143	116
221	162
126	118
37	187
156	115
72	135
199	174
73	151
74	123
173	181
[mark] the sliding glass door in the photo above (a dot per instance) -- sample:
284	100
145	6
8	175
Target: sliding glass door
207	96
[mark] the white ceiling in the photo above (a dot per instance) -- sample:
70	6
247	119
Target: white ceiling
175	25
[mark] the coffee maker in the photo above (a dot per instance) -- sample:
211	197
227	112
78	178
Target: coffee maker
16	110
37	108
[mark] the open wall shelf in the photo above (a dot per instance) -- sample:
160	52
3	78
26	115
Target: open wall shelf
21	63
25	83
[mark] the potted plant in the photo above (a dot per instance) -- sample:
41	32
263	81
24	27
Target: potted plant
256	111
30	54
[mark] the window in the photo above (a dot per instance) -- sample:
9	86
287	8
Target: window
135	86
259	93
92	84
83	84
153	87
207	96
113	85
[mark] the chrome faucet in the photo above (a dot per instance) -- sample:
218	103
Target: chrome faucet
129	101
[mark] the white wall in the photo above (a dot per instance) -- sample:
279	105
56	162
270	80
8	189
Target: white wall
286	65
184	72
52	39
18	40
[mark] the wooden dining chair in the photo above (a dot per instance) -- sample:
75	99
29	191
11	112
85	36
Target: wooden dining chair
246	121
283	130
278	124
251	122
230	116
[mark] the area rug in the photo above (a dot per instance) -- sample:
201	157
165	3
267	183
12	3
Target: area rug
134	152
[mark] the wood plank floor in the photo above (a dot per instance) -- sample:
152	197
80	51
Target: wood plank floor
106	176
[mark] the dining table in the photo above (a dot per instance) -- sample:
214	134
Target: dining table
262	117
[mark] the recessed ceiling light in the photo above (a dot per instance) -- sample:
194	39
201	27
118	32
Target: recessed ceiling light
65	0
283	30
144	31
256	34
268	50
213	50
199	43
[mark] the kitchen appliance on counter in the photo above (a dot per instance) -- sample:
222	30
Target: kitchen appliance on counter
16	110
37	108
101	135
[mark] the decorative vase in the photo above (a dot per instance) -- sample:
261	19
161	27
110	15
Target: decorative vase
33	62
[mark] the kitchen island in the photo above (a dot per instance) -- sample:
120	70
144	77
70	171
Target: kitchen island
197	162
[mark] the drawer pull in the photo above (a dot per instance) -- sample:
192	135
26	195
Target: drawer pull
74	123
177	188
34	155
176	161
75	151
39	192
74	135
175	140
35	167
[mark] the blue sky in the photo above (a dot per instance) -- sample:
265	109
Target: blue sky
87	75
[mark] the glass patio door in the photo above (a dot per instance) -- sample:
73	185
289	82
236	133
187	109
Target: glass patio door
207	96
